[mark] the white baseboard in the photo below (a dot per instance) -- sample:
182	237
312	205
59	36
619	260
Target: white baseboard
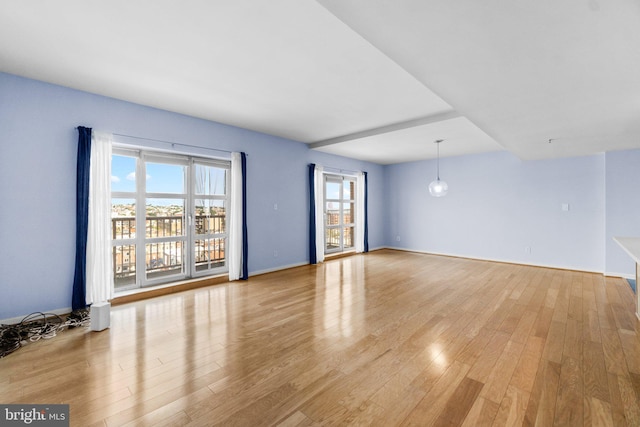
272	270
16	320
299	264
621	275
506	261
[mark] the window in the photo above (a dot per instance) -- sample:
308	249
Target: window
339	212
210	210
169	216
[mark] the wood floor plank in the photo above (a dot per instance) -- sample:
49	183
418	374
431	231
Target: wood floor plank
174	410
474	349
591	327
624	319
481	414
635	382
615	399
364	415
573	341
498	382
570	404
554	345
613	353
597	412
561	308
596	383
386	338
550	297
398	399
294	420
523	328
541	407
513	407
460	403
630	401
435	401
543	322
481	370
631	349
527	368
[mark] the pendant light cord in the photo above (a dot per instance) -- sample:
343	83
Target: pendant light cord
438	141
438	162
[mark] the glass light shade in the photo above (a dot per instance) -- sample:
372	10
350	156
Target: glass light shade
438	188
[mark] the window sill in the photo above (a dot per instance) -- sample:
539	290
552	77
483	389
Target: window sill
166	289
336	255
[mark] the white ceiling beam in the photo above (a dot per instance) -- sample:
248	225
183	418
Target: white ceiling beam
387	129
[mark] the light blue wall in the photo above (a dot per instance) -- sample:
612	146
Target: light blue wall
498	206
38	146
623	208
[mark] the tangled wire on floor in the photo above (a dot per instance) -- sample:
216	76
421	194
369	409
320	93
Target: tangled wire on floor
38	326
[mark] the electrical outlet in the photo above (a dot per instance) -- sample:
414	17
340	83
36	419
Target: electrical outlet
527	249
275	253
397	238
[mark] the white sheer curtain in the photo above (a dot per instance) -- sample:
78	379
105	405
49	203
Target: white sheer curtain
319	190
360	212
235	218
99	282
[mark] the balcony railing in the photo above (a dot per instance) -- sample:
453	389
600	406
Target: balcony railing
334	232
165	258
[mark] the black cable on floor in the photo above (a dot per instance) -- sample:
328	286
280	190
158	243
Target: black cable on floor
38	326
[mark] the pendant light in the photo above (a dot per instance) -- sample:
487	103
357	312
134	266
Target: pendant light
438	188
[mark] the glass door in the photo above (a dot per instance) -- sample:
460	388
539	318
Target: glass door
123	219
164	220
169	217
209	218
339	213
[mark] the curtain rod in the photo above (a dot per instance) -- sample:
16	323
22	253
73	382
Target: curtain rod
173	144
339	170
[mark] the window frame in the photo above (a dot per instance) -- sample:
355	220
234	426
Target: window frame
341	200
226	199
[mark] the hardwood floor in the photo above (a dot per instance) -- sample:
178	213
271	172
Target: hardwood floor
388	338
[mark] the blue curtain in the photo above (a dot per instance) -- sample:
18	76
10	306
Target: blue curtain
78	297
366	213
245	241
313	259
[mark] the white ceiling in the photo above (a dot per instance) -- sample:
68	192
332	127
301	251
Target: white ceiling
374	80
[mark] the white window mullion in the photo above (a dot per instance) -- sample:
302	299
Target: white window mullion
191	218
141	217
